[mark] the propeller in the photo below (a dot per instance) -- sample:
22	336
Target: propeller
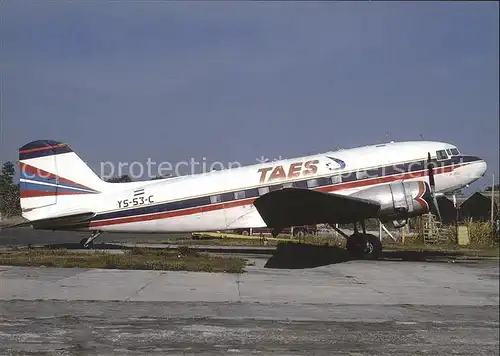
432	184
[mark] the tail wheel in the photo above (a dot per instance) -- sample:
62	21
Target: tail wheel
83	241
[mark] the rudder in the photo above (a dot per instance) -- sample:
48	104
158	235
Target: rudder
50	169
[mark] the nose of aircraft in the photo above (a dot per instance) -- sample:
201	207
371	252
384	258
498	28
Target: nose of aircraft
482	167
479	168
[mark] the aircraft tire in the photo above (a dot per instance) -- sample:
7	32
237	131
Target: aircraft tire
364	246
299	233
375	247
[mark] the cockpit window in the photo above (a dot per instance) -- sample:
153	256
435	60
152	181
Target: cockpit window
441	154
454	152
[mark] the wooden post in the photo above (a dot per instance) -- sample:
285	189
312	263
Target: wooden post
493	203
456	218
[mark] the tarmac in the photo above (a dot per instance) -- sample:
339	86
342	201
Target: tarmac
349	308
25	236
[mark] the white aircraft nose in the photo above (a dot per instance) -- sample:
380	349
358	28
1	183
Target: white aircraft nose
482	167
478	169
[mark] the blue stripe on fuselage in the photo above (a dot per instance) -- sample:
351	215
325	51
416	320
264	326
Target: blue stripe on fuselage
48	188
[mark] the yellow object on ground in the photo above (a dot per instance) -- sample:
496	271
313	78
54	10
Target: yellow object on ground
463	235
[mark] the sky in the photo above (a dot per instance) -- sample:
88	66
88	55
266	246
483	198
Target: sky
241	81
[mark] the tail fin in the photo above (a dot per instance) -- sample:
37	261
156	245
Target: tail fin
50	172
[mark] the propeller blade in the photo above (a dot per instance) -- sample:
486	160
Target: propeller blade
430	169
436	205
432	184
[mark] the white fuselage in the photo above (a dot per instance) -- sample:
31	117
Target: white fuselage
222	200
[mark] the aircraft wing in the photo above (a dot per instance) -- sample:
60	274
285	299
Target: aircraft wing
295	207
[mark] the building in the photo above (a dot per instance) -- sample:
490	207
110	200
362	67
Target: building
478	207
447	210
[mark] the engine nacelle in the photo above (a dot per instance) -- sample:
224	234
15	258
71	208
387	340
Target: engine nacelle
399	200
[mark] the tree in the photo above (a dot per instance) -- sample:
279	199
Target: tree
122	179
8	172
162	177
9	192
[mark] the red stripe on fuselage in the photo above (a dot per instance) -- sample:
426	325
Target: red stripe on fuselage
243	202
40	193
42	148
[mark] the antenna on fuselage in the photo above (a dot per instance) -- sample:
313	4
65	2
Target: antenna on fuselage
422	137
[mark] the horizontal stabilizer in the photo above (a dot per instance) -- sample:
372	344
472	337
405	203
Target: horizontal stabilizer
57	222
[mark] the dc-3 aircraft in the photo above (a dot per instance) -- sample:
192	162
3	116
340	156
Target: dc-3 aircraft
391	182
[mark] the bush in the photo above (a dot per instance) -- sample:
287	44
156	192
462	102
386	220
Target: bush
482	234
417	239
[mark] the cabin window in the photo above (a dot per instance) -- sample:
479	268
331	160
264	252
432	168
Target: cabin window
336	179
348	177
323	181
193	203
215	199
416	166
374	172
263	190
239	195
227	196
250	193
441	154
300	184
275	187
311	183
402	168
389	170
362	175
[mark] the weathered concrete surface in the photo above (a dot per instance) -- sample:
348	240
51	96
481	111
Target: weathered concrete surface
354	282
352	308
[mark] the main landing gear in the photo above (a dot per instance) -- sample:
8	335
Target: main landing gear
361	245
88	242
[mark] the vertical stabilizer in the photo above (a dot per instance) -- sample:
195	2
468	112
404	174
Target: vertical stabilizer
50	170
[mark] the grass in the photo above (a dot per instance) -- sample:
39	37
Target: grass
475	250
244	242
182	259
11	221
471	251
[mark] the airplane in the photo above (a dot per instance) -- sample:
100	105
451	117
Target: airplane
391	182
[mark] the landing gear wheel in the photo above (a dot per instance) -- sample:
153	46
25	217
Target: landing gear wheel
299	234
373	247
364	246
